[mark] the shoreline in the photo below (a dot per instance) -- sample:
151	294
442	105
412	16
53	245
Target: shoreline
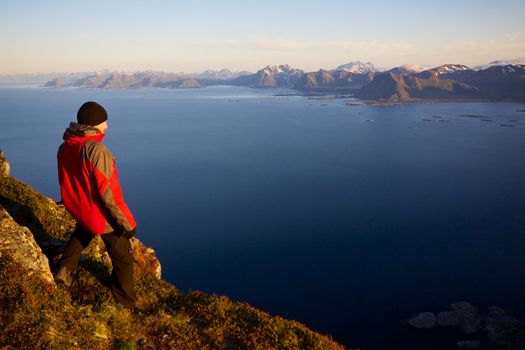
330	94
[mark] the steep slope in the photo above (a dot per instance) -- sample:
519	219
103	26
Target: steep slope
277	76
333	80
357	67
267	77
496	82
435	83
448	82
385	86
34	313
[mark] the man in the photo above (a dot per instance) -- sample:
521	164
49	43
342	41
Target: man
91	193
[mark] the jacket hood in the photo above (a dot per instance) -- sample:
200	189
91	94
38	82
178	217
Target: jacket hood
79	132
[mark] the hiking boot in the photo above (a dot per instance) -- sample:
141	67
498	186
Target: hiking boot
63	276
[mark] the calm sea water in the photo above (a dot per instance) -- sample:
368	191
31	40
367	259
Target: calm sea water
348	219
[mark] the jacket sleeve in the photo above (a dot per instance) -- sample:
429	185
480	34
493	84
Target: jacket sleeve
108	187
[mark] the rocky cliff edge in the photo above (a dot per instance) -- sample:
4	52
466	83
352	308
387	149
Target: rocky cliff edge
35	313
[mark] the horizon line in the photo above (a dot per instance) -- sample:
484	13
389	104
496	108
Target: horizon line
520	60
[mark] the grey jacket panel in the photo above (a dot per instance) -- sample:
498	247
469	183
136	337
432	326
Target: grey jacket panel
102	159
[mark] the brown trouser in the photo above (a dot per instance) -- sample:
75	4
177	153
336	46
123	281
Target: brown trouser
119	250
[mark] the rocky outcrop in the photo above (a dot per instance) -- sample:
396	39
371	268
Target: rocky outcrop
18	244
51	226
36	314
423	320
448	319
470	320
145	259
5	168
496	325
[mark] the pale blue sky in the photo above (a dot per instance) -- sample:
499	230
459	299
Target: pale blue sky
190	36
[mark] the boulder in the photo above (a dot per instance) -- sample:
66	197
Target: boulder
423	320
18	244
464	308
496	325
470	320
471	325
495	311
448	319
145	259
5	168
505	330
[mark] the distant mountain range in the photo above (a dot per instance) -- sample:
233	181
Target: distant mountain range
118	80
497	80
400	84
448	82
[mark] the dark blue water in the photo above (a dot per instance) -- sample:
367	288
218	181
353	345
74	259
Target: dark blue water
303	207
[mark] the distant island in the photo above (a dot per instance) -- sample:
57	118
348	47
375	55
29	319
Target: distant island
496	81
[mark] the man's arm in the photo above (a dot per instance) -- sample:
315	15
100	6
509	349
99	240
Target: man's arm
106	179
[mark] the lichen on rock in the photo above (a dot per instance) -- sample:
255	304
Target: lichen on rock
52	226
17	243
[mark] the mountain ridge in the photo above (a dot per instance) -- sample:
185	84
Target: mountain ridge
498	81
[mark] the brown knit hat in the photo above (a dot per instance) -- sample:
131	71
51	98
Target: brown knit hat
91	113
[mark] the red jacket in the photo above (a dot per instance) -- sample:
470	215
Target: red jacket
89	182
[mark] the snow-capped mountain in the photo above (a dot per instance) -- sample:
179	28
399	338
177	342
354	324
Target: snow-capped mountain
282	75
219	75
409	68
405	83
517	61
357	67
450	68
512	68
273	70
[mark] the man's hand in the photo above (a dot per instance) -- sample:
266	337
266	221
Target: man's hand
129	234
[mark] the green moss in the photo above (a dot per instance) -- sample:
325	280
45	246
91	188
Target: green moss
32	209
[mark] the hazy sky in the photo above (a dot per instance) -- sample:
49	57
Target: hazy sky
190	36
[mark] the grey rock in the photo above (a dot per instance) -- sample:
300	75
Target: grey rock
423	320
470	320
464	308
495	328
471	325
18	243
468	344
495	311
448	319
5	168
505	330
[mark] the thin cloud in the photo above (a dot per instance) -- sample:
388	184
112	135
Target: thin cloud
515	36
260	42
280	43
